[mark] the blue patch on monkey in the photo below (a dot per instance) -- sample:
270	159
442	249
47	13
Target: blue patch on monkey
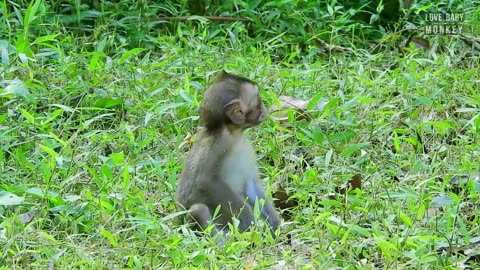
254	193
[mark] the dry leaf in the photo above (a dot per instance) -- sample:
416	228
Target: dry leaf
326	48
26	217
188	140
299	106
459	182
250	263
284	202
421	43
354	183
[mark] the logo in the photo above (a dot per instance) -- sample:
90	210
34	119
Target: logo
444	23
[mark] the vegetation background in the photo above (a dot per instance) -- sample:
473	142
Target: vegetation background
98	102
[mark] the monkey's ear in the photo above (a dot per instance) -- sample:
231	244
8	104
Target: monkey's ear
234	110
223	75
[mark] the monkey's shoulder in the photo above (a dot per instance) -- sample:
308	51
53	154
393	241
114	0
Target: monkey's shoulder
204	155
223	156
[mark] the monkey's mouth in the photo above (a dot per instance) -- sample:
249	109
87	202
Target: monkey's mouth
262	117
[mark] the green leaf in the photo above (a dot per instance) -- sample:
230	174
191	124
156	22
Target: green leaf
354	148
30	14
129	53
22	44
56	138
166	107
443	201
110	237
398	195
47	236
71	198
199	259
107	171
197	18
406	219
5	56
62	208
3	117
50	151
28	116
117	158
422	101
396	142
322	216
126	178
428	258
421	211
467	110
361	230
7	198
23	56
96	118
188	97
345	136
385	245
95	62
53	116
318	135
18	90
37	192
63	107
329	9
328	157
43	39
109	102
408	80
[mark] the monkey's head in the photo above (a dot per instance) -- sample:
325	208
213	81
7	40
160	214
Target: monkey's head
232	101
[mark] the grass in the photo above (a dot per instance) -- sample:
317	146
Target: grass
91	144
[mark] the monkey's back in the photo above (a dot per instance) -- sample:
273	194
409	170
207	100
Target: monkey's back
201	161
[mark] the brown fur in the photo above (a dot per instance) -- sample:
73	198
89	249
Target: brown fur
220	168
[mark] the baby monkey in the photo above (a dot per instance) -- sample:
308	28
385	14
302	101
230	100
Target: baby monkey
221	167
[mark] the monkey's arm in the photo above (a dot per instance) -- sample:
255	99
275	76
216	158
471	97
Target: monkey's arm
254	193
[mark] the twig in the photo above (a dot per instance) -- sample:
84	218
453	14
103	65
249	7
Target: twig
210	18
